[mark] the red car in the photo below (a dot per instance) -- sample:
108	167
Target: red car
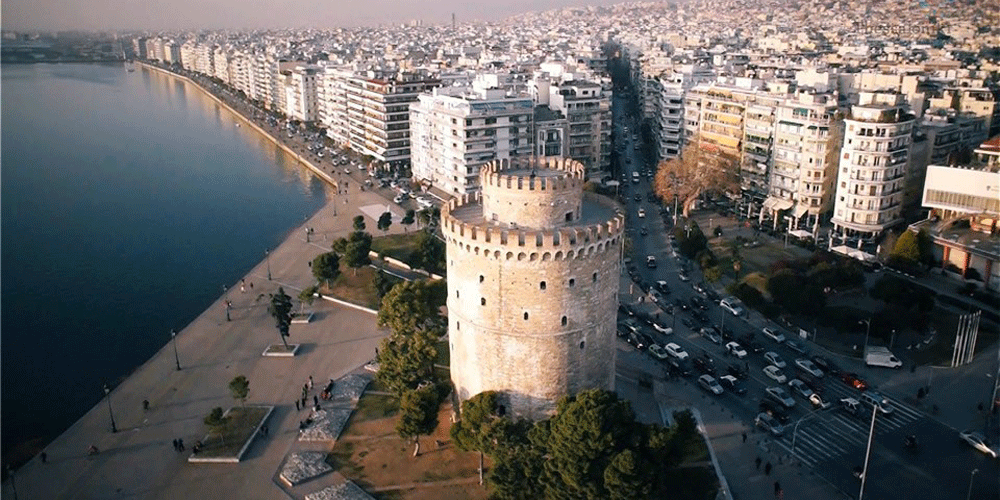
853	380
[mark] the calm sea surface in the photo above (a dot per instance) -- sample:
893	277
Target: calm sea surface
128	200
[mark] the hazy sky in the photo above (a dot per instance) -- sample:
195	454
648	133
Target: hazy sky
198	14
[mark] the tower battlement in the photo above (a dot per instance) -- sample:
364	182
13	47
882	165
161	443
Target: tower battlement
561	174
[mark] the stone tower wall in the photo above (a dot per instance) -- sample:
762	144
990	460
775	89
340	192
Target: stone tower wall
538	202
532	313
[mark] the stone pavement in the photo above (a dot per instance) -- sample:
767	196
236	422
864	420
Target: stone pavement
139	461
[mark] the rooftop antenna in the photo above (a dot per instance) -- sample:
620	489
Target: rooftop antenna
452	20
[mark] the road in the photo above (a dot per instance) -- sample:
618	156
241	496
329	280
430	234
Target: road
830	441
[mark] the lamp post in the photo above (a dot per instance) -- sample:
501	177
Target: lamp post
107	395
225	297
795	431
177	359
972	477
868	453
267	257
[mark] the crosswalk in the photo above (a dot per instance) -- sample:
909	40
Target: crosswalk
832	433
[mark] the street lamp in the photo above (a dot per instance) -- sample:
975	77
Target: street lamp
107	395
177	359
795	430
267	256
972	477
868	453
225	297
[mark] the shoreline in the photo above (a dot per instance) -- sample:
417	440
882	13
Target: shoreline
298	157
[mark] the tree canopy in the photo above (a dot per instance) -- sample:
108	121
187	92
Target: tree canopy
239	388
280	309
414	306
355	249
384	221
409	218
326	267
700	168
359	223
418	411
429	254
405	361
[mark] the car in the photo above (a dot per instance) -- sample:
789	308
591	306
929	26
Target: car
796	346
688	322
666	330
698	287
651	262
851	405
683	277
637	197
817	401
709	383
677	351
643	231
978	441
808	367
775	410
662	287
698	303
658	352
711	336
635	341
774	373
769	423
780	395
737	371
700	316
875	399
773	334
398	199
704	365
799	387
642	213
679	367
773	358
734	349
854	380
732	384
825	364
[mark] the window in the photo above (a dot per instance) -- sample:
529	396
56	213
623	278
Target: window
482	301
594	278
572	282
564	321
541	285
481	278
582	343
456	294
526	315
569	216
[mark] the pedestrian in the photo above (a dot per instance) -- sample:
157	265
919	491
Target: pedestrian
316	400
303	402
264	428
767	469
310	382
758	463
251	285
243	289
744	437
180	444
45	457
297	405
145	404
176	448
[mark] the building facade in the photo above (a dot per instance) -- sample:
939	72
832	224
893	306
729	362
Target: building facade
533	269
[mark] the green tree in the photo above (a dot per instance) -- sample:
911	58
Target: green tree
384	221
280	309
359	223
713	274
626	478
239	388
405	362
429	254
408	219
383	282
307	296
414	307
418	411
356	253
326	267
907	249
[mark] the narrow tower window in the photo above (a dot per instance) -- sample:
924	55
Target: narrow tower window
525	315
572	282
594	277
482	301
564	320
541	285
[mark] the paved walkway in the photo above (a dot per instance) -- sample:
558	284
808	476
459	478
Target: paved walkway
139	461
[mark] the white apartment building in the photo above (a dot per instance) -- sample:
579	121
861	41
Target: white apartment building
188	57
171	52
587	108
204	63
873	164
220	57
300	93
240	71
331	96
456	130
804	158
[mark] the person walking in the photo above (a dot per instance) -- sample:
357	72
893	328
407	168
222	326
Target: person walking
316	400
44	456
297	408
744	437
180	444
310	382
767	469
176	448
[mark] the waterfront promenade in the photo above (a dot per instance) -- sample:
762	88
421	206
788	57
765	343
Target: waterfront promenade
139	461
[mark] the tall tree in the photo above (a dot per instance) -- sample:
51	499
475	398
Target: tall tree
405	362
383	282
627	478
239	388
907	248
355	249
418	411
359	223
701	167
384	221
326	267
414	307
280	309
408	219
216	420
429	254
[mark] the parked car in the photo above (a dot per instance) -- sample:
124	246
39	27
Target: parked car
851	405
808	367
651	262
711	336
732	384
666	330
774	373
825	364
853	380
799	387
709	383
773	358
775	410
658	352
780	395
978	441
662	287
683	276
773	334
679	367
796	346
676	351
704	365
734	349
769	424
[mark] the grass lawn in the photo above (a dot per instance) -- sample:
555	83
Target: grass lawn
240	426
358	289
374	407
397	246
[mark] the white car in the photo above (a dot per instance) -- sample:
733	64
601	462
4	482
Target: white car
799	387
774	373
642	213
709	383
736	350
666	330
658	352
773	358
676	351
774	334
809	367
779	395
977	441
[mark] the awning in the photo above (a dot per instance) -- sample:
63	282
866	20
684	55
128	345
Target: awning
776	204
801	210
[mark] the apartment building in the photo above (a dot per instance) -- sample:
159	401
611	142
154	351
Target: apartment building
378	111
980	101
873	164
551	132
669	120
220	57
456	130
300	85
805	156
188	55
331	96
587	108
942	137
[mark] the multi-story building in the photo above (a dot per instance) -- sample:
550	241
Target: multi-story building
300	92
171	52
454	131
204	62
188	57
873	164
805	156
139	48
220	57
587	108
551	132
756	146
980	101
331	94
942	137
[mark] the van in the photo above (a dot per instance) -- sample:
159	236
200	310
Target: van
731	305
881	356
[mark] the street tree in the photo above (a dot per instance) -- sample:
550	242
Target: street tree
429	254
355	249
216	420
359	223
383	282
307	296
239	388
418	411
408	219
414	307
384	221
280	309
326	267
701	167
626	477
405	362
